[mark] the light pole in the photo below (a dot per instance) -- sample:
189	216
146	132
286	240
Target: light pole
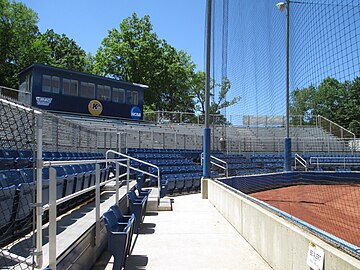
287	141
206	142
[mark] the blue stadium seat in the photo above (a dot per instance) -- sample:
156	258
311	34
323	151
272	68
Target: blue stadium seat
10	177
87	175
119	238
25	200
137	207
68	180
80	177
7	197
6	161
59	184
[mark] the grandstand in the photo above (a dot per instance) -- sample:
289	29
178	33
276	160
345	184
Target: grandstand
165	156
74	188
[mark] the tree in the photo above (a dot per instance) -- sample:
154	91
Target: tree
19	46
135	53
63	51
302	104
329	98
339	102
198	87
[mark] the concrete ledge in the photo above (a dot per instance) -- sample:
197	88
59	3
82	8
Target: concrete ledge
204	188
282	244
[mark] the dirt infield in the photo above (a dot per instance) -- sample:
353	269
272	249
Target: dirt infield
332	208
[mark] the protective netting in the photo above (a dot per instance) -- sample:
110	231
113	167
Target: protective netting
17	191
249	49
326	201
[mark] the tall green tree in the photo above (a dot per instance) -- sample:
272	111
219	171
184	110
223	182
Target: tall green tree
63	51
337	101
19	46
135	53
221	102
302	105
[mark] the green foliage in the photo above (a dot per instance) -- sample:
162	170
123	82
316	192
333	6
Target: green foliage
198	87
135	53
339	102
19	46
63	51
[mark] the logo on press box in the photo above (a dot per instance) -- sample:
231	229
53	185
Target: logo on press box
135	113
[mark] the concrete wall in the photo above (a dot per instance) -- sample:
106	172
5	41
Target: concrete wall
282	244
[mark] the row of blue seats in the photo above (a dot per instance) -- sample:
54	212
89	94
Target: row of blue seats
17	191
176	169
157	150
65	156
180	182
120	228
15	159
254	171
149	156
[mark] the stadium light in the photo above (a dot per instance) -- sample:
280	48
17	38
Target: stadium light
287	142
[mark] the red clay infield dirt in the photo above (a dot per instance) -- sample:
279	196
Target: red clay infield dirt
332	208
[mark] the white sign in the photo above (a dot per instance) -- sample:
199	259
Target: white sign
315	257
43	101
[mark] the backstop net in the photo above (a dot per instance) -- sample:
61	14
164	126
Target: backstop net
249	51
17	196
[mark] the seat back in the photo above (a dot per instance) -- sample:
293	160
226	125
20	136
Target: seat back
7	196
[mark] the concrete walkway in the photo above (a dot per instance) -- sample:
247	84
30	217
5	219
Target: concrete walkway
192	236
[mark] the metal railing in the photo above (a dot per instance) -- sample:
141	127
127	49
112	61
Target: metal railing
129	167
214	160
336	161
52	206
299	159
334	128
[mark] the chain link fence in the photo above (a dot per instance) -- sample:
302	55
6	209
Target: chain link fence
17	185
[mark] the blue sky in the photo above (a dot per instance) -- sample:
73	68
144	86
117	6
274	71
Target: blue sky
181	23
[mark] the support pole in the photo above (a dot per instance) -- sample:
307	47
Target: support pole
52	219
207	131
39	211
117	198
287	142
97	204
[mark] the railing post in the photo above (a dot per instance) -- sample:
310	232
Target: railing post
97	204
117	167
52	218
127	180
39	211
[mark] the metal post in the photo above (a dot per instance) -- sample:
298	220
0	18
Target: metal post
97	204
207	132
52	219
117	183
287	142
127	180
39	211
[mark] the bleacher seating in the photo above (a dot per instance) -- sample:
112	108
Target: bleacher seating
119	235
17	185
178	168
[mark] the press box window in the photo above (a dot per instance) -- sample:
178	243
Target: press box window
50	84
70	87
87	90
132	97
118	95
103	92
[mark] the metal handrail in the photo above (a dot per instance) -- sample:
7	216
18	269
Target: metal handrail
344	161
225	168
139	170
331	122
301	160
